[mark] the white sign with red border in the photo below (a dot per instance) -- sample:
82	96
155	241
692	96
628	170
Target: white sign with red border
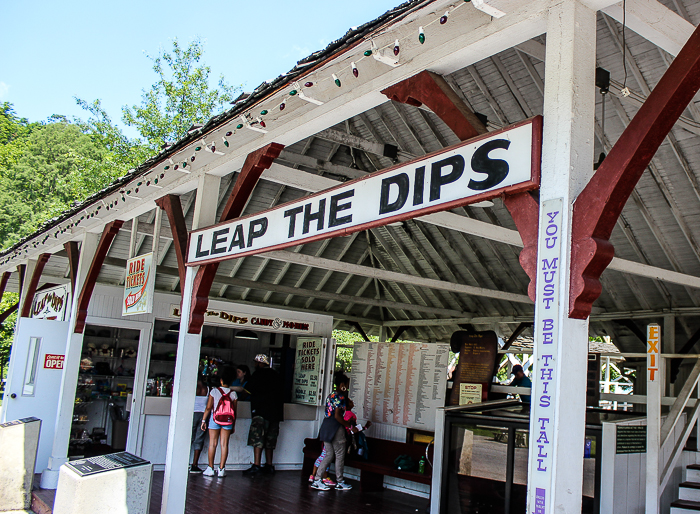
479	169
53	361
51	303
139	285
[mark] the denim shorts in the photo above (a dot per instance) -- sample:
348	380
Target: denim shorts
213	425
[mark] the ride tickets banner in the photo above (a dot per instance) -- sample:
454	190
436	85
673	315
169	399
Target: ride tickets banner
139	285
307	371
479	169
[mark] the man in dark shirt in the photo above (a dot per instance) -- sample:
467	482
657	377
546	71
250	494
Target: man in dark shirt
267	410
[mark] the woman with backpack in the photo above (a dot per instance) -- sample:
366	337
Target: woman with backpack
222	405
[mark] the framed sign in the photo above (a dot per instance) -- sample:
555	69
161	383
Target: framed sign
481	168
221	317
139	285
51	303
307	371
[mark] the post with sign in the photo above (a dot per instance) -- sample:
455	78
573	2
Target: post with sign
139	285
655	384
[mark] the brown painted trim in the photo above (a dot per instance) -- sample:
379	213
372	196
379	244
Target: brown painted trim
34	282
361	330
8	312
256	162
173	210
3	282
21	271
71	248
521	328
108	234
599	205
525	212
398	333
428	88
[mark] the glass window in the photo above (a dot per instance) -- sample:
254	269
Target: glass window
32	363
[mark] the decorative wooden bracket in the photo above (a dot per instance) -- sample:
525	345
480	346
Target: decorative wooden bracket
173	209
256	162
432	90
71	248
21	271
599	205
108	234
429	89
33	283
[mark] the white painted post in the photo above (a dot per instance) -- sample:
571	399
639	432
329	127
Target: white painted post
655	385
185	381
668	345
71	369
557	422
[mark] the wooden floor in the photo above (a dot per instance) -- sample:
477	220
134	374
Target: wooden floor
283	492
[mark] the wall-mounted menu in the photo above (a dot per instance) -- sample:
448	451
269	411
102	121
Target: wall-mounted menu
399	383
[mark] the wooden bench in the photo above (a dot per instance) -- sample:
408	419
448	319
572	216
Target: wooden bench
380	463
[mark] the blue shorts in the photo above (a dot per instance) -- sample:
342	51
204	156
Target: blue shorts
213	425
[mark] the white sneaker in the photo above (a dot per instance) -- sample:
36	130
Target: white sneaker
318	484
209	472
342	486
221	472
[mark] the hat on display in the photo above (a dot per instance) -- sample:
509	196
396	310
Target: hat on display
261	357
517	368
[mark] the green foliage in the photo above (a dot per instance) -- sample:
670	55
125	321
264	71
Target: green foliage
180	97
7	331
346	341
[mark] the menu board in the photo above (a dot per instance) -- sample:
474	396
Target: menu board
307	371
104	463
399	383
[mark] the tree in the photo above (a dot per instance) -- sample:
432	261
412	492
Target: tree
180	97
7	331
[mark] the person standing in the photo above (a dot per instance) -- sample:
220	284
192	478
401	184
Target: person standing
332	434
242	377
198	435
521	380
267	411
222	400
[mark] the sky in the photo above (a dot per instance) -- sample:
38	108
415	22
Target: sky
52	52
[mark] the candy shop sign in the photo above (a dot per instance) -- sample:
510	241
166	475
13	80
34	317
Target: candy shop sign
254	322
139	285
505	161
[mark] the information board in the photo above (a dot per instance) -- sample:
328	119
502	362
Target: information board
307	371
399	383
631	439
19	422
103	463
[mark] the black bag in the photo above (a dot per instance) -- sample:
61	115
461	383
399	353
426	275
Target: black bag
329	427
405	463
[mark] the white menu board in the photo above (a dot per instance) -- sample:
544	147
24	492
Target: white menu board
307	371
399	383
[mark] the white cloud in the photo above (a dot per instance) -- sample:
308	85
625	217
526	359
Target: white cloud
4	89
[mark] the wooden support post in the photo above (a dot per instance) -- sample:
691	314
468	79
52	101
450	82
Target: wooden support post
398	333
359	328
71	248
33	283
655	386
254	165
557	417
108	234
71	368
21	271
173	210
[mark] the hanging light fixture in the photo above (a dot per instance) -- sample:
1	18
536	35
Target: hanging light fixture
246	334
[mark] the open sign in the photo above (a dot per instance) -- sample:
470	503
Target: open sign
53	361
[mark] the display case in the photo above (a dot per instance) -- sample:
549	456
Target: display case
106	378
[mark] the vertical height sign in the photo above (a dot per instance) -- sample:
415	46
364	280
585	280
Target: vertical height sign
655	387
544	381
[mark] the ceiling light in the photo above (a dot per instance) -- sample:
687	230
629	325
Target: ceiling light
246	334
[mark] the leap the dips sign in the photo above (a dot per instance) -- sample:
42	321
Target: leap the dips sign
475	170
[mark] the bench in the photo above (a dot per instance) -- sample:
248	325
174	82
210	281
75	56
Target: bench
380	463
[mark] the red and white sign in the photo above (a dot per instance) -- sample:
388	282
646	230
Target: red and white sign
52	361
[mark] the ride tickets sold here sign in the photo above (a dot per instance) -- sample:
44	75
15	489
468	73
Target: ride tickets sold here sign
507	160
139	285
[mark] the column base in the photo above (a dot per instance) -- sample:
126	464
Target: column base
49	477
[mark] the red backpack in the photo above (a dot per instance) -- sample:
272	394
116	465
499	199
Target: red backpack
223	413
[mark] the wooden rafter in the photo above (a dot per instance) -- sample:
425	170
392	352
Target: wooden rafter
33	283
3	282
176	217
73	253
109	232
256	162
